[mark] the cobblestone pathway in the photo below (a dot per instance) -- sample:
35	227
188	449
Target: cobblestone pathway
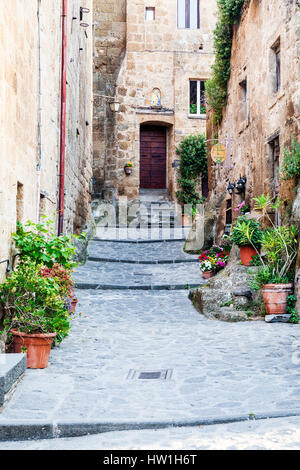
215	370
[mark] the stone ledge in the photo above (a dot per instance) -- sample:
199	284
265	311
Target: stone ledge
21	430
12	367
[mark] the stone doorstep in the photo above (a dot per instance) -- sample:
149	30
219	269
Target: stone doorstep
12	368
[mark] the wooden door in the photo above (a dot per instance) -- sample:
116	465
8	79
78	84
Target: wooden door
153	152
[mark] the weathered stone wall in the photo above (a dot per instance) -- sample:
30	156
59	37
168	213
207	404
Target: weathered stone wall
156	54
30	95
109	51
269	114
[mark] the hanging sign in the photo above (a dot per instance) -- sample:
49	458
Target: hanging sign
218	153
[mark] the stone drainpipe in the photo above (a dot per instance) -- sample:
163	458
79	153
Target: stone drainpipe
63	117
39	164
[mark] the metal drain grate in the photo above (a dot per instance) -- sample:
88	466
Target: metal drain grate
163	374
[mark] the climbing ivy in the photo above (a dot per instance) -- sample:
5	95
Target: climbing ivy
193	164
216	88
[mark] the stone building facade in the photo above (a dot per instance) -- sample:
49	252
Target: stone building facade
263	109
147	54
262	114
30	94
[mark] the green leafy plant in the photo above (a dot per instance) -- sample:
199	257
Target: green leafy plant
279	247
39	243
193	165
33	303
291	309
246	231
216	88
290	167
193	109
265	275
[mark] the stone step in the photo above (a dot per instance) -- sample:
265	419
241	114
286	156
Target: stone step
12	368
154	276
142	235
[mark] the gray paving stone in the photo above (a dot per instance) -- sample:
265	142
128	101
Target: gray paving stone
220	370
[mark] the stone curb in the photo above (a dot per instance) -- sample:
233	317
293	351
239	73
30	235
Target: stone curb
88	286
163	240
110	260
18	430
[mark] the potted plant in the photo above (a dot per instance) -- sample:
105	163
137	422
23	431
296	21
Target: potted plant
279	248
35	314
63	278
207	269
247	235
40	244
217	256
128	168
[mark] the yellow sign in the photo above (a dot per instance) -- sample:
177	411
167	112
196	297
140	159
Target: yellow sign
218	153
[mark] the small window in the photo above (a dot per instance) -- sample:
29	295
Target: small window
197	97
150	13
19	202
243	100
188	14
276	66
274	152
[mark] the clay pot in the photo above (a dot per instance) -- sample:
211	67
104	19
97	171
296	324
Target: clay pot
207	274
37	346
186	221
74	302
246	253
275	297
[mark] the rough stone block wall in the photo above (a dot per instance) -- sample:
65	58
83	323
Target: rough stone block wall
270	113
30	94
153	54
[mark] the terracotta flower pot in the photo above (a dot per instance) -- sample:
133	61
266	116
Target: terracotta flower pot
37	346
207	274
74	302
275	297
186	221
246	253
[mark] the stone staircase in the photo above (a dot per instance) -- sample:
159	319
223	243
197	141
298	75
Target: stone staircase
153	216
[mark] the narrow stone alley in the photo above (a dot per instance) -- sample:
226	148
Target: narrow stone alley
139	356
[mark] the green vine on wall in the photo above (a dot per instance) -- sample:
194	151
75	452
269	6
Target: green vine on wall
193	165
216	88
290	167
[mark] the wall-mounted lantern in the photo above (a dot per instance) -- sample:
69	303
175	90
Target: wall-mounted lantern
230	188
83	11
240	186
114	106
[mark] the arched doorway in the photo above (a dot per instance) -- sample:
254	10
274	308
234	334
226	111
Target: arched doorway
153	156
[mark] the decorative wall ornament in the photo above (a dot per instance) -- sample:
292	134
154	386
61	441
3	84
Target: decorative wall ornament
156	98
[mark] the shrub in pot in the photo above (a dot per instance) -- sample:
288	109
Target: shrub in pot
279	247
35	314
40	244
247	235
